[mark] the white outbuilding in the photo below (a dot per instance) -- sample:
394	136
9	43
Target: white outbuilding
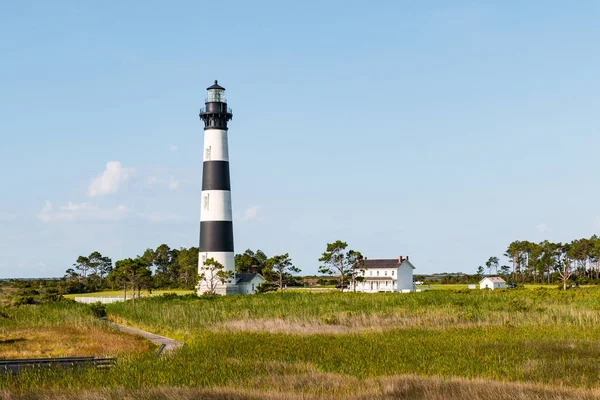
492	282
248	283
385	275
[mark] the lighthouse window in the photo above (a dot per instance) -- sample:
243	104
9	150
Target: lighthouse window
207	155
206	201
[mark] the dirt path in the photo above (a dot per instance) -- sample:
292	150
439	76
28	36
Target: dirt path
170	344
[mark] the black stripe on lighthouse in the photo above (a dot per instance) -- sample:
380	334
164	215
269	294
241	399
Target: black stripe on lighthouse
215	175
216	236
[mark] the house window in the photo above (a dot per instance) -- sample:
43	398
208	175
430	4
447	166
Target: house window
253	288
206	201
370	273
387	282
377	273
392	273
385	273
207	155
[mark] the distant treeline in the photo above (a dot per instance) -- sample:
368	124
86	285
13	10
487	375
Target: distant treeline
549	262
167	268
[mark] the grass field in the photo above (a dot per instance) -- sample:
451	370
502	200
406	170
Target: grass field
119	293
61	330
538	343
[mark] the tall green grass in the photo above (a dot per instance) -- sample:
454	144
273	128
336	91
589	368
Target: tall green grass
183	317
542	335
562	357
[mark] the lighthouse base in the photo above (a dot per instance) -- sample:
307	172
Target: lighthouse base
220	289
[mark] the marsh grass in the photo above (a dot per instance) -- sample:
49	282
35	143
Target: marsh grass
295	387
333	312
61	330
544	337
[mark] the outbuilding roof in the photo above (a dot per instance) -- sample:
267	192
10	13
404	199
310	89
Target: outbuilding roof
495	279
245	278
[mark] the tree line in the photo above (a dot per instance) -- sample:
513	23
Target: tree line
549	262
169	268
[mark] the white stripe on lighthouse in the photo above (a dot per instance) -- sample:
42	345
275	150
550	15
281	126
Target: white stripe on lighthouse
216	205
215	145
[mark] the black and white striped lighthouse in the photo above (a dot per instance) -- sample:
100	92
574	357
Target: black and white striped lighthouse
216	228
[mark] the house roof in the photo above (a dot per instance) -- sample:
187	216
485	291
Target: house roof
382	263
386	263
495	279
245	278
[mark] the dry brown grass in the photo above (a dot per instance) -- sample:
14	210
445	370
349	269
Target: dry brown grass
332	386
68	341
342	323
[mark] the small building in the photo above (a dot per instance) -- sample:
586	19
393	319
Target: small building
248	283
492	282
385	275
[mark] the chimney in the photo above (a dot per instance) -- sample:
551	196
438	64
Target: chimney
406	258
254	269
365	258
400	259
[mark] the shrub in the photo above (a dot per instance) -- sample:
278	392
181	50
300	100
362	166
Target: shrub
25	300
98	309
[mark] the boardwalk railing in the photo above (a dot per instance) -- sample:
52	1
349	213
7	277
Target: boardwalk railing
17	365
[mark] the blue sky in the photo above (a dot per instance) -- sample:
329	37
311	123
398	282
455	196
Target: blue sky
439	130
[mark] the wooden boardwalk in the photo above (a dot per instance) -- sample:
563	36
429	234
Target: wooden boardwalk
169	344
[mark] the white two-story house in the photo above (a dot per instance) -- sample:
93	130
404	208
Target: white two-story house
386	275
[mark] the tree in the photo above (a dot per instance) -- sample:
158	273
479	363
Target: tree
135	272
358	270
492	263
282	267
480	271
213	273
82	264
249	260
338	261
187	267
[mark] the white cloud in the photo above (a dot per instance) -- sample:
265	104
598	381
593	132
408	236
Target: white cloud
251	213
541	228
80	212
110	180
174	148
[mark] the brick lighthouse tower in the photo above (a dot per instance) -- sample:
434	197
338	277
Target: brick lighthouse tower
216	228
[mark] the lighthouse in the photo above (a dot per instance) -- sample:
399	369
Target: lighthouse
216	227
